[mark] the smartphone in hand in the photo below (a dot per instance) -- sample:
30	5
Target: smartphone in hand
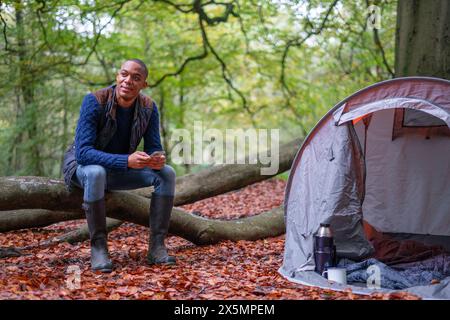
158	159
158	154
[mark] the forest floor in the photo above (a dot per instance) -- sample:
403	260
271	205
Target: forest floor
228	270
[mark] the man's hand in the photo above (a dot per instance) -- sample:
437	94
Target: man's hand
140	159
157	160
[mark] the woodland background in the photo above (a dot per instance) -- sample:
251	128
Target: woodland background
234	64
240	64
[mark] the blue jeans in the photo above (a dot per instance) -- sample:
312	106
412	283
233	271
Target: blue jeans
95	180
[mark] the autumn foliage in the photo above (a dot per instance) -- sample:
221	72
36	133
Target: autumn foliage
228	270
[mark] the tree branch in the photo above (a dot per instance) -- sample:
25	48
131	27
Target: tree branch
297	42
97	37
179	7
241	24
380	47
229	9
181	68
219	59
4	32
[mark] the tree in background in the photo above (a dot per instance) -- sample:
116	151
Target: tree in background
423	38
235	64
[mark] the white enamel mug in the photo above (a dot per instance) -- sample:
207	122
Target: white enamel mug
338	275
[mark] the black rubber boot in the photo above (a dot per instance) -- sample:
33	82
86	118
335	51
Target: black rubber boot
160	211
96	220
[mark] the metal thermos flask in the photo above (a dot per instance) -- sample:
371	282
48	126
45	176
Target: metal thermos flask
324	249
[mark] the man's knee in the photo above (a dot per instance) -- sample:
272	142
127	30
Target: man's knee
167	173
95	173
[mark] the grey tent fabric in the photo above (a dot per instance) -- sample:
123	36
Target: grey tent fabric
414	118
348	170
320	196
407	189
349	236
410	103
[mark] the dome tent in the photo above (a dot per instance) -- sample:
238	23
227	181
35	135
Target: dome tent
380	156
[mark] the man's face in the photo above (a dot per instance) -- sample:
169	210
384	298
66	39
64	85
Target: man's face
130	80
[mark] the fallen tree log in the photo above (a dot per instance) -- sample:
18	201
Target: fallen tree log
10	252
78	235
199	230
227	177
47	194
82	233
34	218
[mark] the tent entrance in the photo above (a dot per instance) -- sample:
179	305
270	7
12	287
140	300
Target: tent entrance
406	207
407	183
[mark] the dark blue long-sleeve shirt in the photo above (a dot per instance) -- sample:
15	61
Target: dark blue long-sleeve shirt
115	156
120	141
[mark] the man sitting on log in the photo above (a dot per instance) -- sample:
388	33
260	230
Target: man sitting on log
103	157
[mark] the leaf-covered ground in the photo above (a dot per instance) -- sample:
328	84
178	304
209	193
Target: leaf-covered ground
228	270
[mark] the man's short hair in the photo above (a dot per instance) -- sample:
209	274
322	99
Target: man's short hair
142	64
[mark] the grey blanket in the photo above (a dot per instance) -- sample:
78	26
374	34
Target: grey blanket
399	276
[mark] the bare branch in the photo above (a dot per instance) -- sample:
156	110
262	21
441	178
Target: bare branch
359	35
89	82
41	24
179	7
241	24
103	63
383	54
121	4
376	39
4	32
297	42
229	9
198	7
224	68
181	68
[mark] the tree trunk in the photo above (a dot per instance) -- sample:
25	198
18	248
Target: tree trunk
9	252
29	113
42	193
163	120
423	38
34	218
223	178
65	122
